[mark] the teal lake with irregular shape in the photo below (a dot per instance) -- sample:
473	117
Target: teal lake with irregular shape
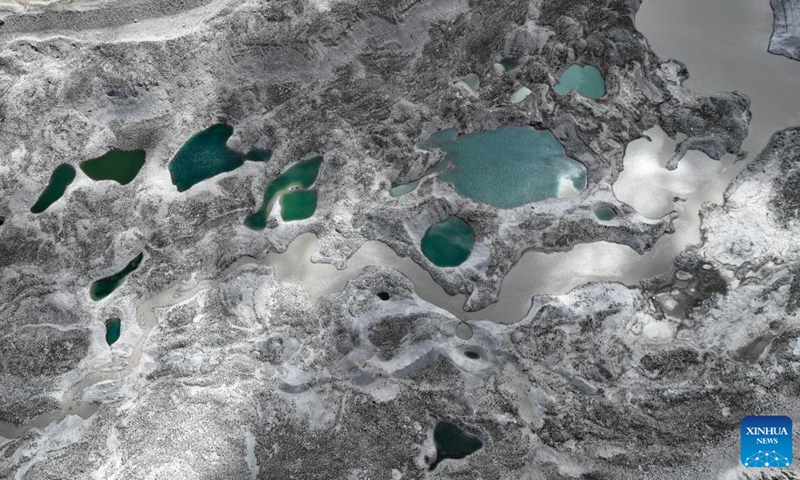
509	167
206	155
472	81
301	176
520	94
60	179
113	330
448	243
587	81
118	165
106	286
453	443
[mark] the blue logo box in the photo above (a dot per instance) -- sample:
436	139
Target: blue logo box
766	442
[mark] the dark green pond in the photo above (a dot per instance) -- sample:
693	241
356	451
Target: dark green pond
113	330
258	155
118	165
62	176
508	64
206	155
298	205
453	443
301	175
448	243
605	213
508	167
587	81
105	286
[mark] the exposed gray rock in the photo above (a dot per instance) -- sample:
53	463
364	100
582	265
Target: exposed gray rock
234	373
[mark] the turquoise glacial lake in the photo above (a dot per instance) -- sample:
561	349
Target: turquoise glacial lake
206	155
441	137
605	213
448	243
508	167
520	94
587	81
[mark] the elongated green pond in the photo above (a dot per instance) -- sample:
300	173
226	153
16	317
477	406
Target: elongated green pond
401	190
206	155
453	443
587	81
62	176
448	243
113	330
118	165
472	355
105	286
300	176
258	155
508	167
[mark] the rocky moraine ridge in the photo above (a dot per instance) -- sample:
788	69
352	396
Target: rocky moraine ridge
239	375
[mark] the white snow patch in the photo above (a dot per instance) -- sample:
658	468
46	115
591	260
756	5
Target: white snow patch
386	393
566	188
112	442
321	5
252	461
796	348
659	330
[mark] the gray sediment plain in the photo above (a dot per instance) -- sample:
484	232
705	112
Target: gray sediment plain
226	370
